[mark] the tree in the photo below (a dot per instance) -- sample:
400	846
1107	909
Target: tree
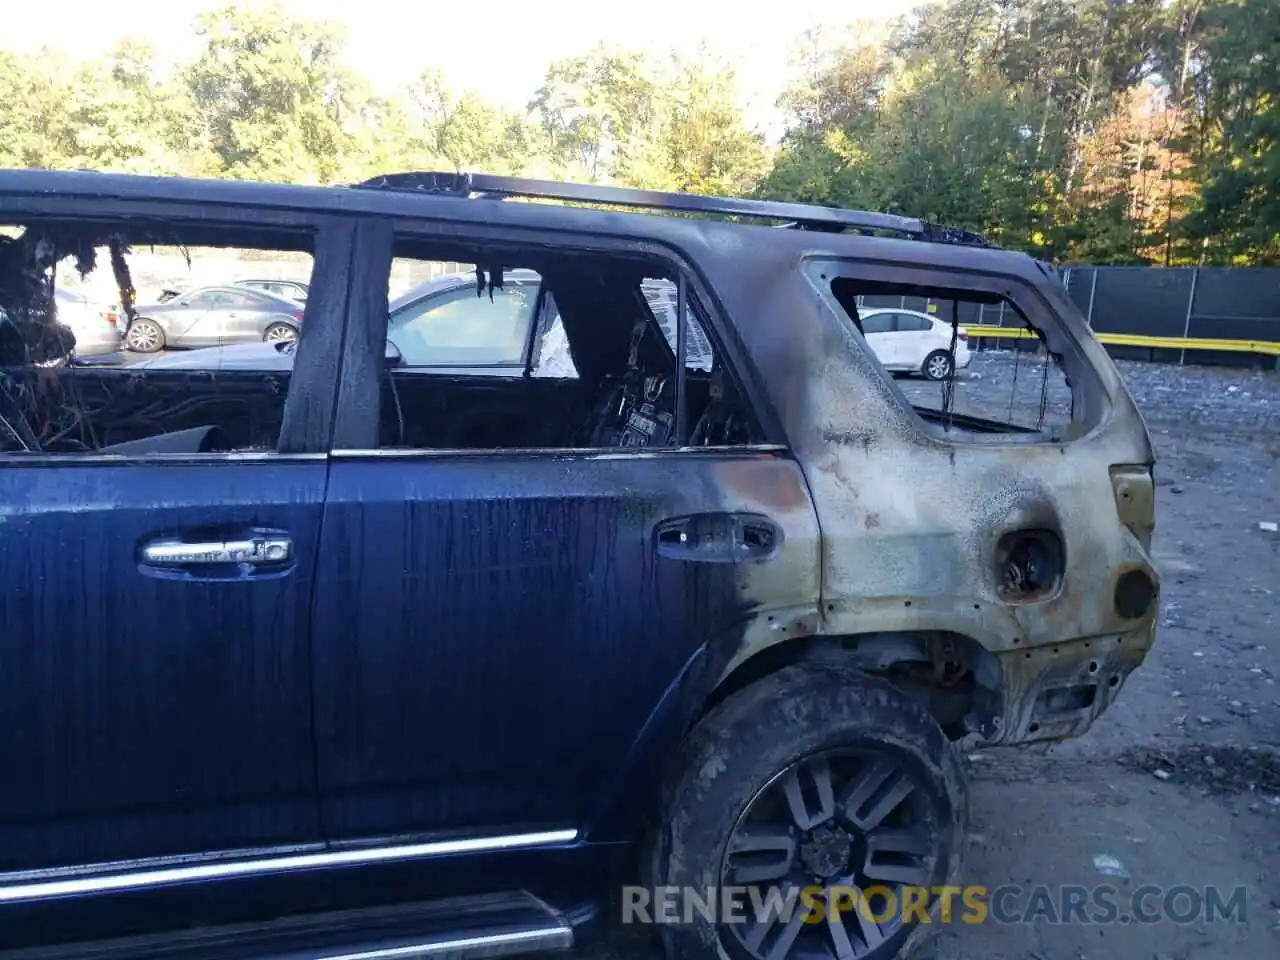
1236	63
1150	125
1108	131
125	116
834	103
602	114
931	136
629	118
959	149
708	148
270	94
35	130
463	133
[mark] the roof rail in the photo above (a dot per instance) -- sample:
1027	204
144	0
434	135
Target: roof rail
801	216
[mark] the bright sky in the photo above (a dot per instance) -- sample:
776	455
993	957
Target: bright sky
498	47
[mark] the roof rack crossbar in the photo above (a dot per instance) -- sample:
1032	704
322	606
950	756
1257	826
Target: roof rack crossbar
796	215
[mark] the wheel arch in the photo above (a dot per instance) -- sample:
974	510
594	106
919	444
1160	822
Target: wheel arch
957	677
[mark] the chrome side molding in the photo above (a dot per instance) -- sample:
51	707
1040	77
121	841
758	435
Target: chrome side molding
95	879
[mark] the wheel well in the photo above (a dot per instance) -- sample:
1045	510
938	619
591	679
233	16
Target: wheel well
953	674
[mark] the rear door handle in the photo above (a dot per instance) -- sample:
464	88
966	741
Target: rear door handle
172	552
209	553
718	537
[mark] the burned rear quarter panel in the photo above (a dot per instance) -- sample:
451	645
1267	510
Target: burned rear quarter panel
909	520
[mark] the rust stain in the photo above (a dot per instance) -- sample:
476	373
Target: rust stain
762	482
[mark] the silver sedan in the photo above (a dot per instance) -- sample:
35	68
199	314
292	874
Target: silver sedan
214	316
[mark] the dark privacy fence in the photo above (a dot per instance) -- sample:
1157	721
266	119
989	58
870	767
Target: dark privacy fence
1215	303
1218	303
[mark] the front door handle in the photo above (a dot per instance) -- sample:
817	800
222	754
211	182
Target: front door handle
718	537
172	552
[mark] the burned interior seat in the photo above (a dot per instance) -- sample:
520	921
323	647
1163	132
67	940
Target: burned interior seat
617	348
720	423
638	408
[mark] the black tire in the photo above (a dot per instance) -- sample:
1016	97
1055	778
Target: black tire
279	333
938	365
737	754
144	336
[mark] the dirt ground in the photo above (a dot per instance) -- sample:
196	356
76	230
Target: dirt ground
1179	784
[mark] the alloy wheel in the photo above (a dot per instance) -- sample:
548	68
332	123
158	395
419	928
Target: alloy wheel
845	826
938	366
143	336
280	333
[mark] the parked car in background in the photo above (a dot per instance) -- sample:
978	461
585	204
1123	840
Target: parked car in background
212	316
97	330
425	320
82	331
909	341
440	325
289	289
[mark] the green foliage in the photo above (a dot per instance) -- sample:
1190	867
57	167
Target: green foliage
1112	131
1237	218
626	117
1109	131
35	129
270	94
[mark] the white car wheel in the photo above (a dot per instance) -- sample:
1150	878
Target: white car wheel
938	365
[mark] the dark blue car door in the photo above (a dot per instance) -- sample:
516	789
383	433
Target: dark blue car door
498	625
155	685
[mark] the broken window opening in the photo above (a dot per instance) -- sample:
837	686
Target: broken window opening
121	337
949	354
511	348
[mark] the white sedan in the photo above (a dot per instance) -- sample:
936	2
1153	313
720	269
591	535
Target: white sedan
97	331
909	341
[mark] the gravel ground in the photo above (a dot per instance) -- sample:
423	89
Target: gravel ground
1180	780
1179	783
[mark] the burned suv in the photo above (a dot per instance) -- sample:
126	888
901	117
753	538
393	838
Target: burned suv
366	655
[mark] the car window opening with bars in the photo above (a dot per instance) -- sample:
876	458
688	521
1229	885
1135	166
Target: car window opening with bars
968	362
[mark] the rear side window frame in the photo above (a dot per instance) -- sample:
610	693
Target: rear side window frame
354	433
886	317
1089	393
919	324
310	405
